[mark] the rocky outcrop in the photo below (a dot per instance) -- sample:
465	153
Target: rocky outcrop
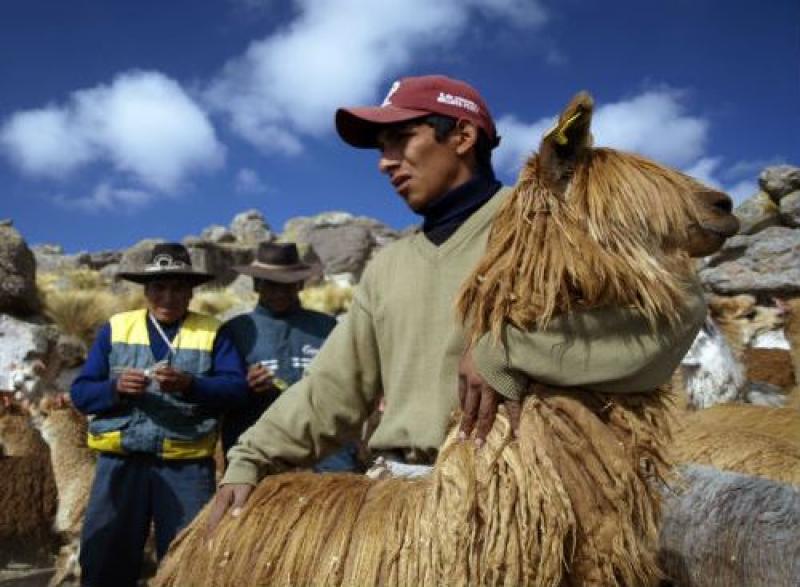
343	242
764	258
757	213
764	264
790	209
780	180
250	228
217	234
18	293
219	259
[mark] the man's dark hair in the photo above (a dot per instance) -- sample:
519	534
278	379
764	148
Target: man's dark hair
444	125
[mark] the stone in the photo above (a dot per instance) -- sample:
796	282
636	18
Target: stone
757	213
790	209
764	264
343	242
18	294
250	227
217	234
219	260
102	259
779	180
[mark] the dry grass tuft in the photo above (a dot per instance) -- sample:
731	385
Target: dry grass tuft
219	302
80	301
328	298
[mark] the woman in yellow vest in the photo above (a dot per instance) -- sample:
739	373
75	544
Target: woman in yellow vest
155	383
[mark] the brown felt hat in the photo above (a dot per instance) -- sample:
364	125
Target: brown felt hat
168	261
278	262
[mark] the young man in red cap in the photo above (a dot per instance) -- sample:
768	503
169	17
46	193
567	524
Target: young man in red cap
401	338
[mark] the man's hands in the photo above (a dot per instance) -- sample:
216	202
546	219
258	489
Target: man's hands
229	496
479	403
260	379
172	380
132	382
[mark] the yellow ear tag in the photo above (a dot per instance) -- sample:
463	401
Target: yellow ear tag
558	130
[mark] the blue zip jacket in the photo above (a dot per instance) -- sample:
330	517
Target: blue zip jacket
285	343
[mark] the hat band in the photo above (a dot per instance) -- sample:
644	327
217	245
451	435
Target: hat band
171	267
262	265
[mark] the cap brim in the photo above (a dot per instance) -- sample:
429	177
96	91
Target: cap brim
359	127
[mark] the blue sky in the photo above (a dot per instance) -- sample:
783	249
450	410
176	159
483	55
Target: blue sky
127	120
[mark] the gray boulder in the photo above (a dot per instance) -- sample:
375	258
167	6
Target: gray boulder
344	243
251	228
217	234
780	180
757	213
101	259
790	209
763	264
219	259
18	294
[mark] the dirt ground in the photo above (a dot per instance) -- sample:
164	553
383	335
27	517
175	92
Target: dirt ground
23	575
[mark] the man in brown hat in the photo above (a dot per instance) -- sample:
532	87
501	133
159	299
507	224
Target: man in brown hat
155	382
278	340
400	340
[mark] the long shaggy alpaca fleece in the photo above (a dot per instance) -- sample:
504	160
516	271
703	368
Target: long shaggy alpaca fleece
566	504
780	423
750	451
615	235
726	529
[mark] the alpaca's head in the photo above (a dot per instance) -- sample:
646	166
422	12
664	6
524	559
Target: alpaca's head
588	227
620	192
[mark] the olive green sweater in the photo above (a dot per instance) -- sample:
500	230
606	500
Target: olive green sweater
401	340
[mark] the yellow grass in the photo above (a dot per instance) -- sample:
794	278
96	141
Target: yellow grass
329	298
217	302
81	312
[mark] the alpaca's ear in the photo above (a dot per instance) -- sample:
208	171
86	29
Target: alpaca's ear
563	144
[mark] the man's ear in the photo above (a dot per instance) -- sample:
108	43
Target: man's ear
563	144
466	134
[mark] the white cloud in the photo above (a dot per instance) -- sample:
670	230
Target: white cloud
249	182
335	53
518	141
106	198
654	124
143	123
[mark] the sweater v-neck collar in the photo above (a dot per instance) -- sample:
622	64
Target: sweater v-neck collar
477	221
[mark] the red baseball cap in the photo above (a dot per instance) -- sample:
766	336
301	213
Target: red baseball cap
415	97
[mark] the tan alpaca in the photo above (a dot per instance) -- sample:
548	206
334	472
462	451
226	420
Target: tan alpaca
791	329
742	320
64	430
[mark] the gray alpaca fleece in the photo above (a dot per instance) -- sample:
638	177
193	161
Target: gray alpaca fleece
727	529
